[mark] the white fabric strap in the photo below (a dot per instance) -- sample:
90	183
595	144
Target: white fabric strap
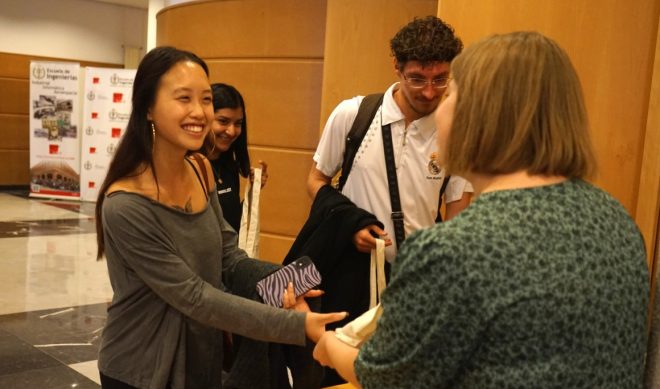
248	236
360	330
377	273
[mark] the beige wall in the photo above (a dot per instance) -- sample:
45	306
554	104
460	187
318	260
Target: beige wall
273	53
14	111
612	45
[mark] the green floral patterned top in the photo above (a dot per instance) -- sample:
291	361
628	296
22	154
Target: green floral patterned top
543	287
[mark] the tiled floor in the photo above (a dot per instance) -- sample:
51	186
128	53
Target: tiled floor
53	293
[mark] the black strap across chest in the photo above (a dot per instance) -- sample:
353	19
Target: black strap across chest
202	167
393	184
365	115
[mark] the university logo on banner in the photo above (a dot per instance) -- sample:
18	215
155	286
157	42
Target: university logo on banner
104	119
54	136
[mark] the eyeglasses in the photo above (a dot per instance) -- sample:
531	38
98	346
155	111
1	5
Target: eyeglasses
420	83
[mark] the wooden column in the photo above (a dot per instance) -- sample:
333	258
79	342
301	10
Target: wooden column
272	52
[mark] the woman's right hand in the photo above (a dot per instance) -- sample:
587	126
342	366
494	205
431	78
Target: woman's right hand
315	323
264	173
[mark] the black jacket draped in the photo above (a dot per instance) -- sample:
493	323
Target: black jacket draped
327	238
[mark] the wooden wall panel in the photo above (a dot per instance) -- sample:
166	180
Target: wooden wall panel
14	110
275	246
18	65
284	201
241	28
648	204
16	96
611	44
16	167
13	132
282	98
357	46
15	66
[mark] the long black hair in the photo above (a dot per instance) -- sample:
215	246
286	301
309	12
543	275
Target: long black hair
135	150
237	157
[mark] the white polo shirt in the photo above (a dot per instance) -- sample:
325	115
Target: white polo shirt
419	179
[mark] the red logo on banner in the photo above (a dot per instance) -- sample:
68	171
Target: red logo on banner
53	149
117	97
116	132
95	80
95	115
91	184
92	150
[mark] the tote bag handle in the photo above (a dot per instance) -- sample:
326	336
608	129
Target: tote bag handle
248	236
377	273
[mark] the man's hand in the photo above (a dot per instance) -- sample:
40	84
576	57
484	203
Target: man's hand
364	240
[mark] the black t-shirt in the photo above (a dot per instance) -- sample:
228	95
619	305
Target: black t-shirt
226	177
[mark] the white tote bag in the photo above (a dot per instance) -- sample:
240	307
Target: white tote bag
359	330
377	273
248	236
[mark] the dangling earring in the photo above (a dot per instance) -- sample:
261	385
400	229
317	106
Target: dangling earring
153	134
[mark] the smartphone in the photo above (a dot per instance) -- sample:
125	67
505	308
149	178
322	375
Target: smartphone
301	272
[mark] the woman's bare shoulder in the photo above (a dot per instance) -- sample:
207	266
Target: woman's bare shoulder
136	183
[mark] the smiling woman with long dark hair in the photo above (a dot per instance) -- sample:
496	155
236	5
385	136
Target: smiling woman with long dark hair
172	258
227	150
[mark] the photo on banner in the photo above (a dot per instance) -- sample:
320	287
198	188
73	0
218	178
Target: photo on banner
106	109
54	130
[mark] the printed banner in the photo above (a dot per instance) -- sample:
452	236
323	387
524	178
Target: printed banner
106	109
54	137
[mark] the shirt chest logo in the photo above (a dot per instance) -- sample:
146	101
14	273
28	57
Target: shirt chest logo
433	166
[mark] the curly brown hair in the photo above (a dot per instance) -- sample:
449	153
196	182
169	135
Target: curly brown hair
426	40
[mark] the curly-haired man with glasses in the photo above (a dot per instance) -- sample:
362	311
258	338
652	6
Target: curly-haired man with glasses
422	51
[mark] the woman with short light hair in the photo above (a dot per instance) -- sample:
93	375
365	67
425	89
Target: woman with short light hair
542	281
